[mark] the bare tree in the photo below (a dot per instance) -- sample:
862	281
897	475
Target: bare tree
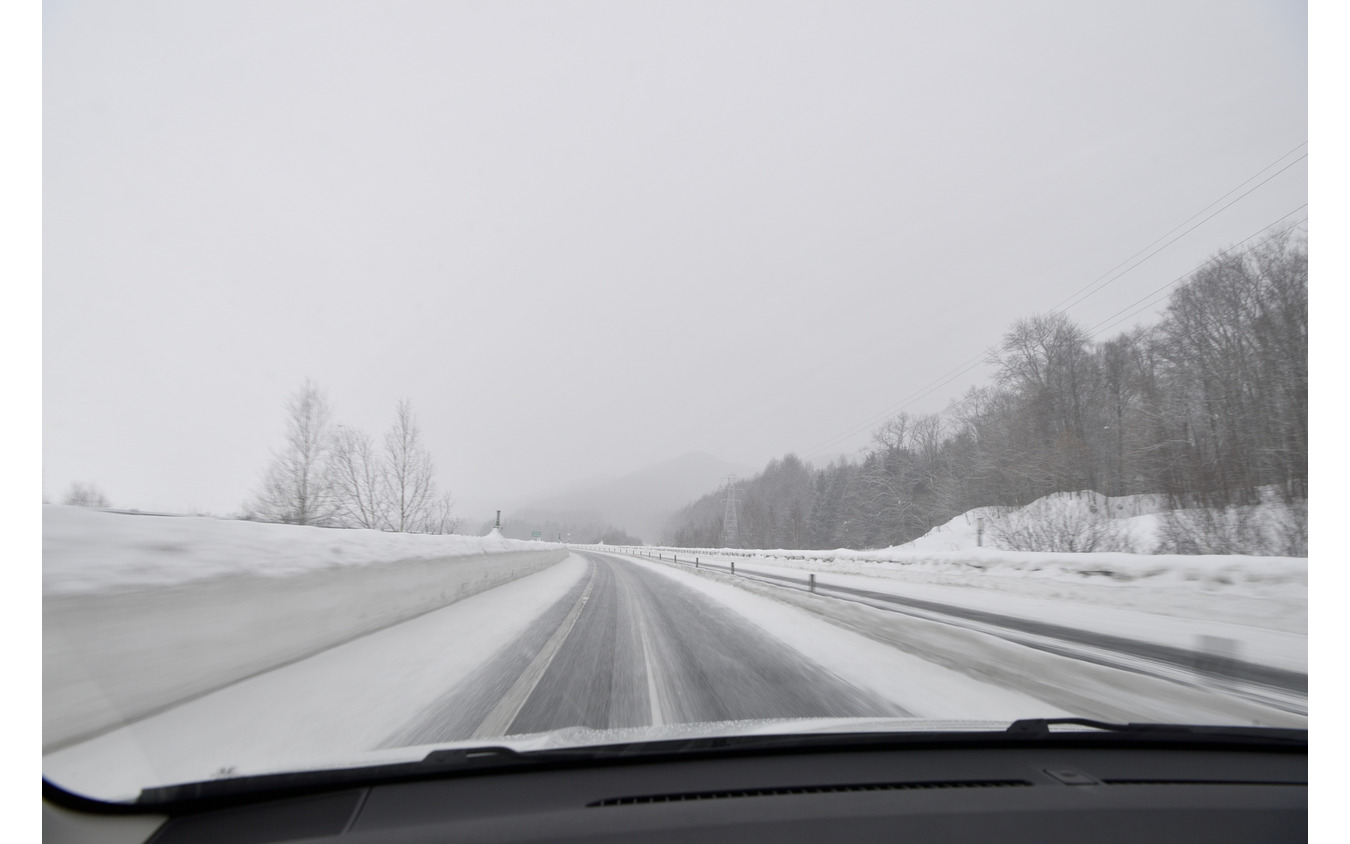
357	477
1044	360
1062	523
1235	345
442	518
409	475
85	495
296	489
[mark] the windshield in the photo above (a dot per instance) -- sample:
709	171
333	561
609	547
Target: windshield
555	374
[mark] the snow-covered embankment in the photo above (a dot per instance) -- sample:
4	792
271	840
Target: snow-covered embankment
142	612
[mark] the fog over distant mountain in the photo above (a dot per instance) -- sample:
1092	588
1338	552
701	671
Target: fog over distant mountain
640	501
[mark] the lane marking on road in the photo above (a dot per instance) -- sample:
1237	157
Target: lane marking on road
641	616
653	698
504	713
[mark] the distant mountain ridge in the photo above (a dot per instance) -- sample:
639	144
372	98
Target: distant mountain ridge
641	501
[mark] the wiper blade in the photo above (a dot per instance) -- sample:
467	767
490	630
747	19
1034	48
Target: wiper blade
435	763
1035	727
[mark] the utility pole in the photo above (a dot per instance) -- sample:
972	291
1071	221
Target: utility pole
729	526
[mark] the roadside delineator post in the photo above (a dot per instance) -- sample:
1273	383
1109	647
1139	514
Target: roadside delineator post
813	582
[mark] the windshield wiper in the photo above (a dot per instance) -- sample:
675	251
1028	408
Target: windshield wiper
1036	727
434	764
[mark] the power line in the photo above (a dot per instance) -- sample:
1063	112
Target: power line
909	399
1095	286
969	365
1092	287
1095	333
1178	279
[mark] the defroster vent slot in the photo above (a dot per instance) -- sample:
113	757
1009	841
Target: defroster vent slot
779	791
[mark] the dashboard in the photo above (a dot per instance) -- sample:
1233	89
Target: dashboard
1041	793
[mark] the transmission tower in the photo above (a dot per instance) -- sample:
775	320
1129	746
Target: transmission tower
729	533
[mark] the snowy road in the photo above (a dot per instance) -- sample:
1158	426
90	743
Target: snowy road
627	647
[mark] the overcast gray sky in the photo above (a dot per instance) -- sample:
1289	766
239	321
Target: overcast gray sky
585	237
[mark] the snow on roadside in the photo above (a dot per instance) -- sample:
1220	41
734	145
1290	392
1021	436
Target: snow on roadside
1138	514
87	550
1130	522
1233	574
333	703
1263	593
1259	593
921	687
961	552
987	678
1138	619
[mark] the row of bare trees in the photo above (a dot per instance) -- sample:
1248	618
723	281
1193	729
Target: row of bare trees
1208	407
82	494
334	475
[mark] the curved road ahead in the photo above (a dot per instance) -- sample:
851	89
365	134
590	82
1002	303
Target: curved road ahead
629	647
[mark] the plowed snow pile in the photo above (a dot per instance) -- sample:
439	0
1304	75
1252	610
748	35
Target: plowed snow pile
90	550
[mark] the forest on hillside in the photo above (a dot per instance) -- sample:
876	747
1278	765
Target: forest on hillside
1209	407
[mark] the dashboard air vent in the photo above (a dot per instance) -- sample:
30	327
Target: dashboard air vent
809	789
1201	782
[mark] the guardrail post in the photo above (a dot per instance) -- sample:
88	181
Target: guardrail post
813	582
1216	659
733	566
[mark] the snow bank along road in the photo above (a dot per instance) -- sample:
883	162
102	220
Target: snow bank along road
113	657
607	641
